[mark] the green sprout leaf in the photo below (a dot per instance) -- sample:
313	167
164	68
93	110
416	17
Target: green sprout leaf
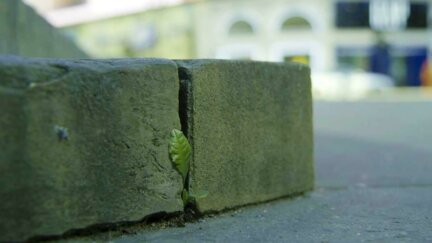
179	151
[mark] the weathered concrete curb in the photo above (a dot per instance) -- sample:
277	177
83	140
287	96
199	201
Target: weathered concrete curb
84	142
250	126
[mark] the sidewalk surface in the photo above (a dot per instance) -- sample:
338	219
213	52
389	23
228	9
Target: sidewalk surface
373	184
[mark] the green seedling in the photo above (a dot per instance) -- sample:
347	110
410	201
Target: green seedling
180	150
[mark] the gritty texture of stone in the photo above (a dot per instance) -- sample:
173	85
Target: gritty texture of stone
250	126
24	32
85	142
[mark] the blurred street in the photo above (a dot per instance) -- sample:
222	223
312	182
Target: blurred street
373	184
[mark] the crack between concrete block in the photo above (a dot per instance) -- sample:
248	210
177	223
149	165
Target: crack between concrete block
185	102
191	211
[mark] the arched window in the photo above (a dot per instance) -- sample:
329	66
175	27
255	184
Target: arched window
296	23
241	27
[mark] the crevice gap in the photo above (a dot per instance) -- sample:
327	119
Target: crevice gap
191	211
183	106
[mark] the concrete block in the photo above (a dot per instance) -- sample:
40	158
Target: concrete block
85	142
250	127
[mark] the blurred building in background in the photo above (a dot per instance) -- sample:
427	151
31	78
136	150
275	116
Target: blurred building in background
385	38
127	28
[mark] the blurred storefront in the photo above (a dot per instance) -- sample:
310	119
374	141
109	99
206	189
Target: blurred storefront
400	43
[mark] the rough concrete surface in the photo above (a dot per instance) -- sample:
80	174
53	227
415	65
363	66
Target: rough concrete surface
24	32
250	126
85	142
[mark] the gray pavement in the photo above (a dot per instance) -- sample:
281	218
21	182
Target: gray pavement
373	184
